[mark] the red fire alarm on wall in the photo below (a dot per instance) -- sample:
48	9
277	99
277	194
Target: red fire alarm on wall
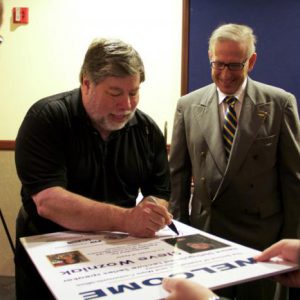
20	15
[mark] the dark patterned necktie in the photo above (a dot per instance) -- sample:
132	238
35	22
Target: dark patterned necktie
230	124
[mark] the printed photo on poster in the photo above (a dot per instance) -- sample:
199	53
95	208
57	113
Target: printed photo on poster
195	243
67	258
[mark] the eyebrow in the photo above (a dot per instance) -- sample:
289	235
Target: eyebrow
115	88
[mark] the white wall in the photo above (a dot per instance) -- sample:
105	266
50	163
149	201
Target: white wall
44	56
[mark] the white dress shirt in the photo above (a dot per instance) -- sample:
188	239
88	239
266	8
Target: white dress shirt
239	94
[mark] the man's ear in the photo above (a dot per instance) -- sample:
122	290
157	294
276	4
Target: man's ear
209	55
252	61
85	86
86	82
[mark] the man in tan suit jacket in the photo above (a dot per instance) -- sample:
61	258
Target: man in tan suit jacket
253	197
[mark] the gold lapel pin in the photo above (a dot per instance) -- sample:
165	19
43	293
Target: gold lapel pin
262	114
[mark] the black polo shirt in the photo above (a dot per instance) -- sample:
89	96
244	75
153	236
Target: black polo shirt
57	146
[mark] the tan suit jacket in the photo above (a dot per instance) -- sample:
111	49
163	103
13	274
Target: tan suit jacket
255	198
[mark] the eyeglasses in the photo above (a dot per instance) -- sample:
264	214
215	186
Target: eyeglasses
231	66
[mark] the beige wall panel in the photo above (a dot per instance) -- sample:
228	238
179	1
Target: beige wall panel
10	201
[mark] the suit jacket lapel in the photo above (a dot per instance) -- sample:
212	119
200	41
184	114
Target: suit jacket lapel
253	115
207	116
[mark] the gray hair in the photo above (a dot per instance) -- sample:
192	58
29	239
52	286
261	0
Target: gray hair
233	32
110	57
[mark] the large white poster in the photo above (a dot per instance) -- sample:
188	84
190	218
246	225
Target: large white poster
111	265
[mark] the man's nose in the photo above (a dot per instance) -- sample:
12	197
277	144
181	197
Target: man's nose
125	103
225	73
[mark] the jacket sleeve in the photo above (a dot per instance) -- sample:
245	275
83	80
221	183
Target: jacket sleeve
289	167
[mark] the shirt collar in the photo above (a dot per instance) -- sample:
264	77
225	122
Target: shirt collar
239	94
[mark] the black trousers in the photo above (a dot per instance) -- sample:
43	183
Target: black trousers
262	289
29	284
294	294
